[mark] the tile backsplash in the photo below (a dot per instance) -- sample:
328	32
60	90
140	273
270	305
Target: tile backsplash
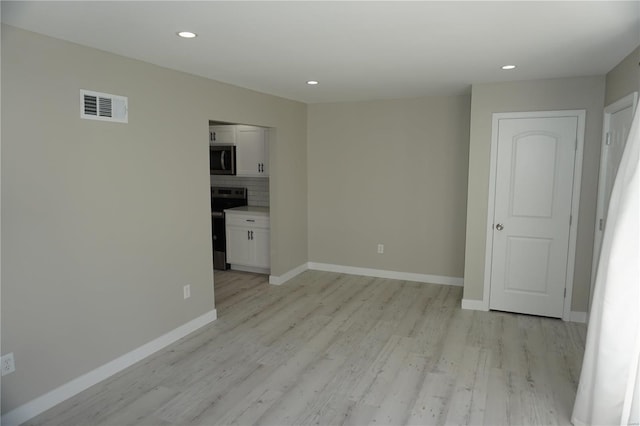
258	188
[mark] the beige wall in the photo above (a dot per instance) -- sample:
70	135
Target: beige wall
556	94
391	172
103	223
624	78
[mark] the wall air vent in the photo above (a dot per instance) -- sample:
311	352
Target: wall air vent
103	106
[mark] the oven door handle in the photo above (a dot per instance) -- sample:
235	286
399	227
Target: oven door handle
224	167
217	215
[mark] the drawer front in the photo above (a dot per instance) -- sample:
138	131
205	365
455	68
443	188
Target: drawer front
246	220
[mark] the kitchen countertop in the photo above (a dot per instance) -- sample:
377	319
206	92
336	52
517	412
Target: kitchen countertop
249	210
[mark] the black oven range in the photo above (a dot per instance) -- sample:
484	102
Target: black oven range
223	198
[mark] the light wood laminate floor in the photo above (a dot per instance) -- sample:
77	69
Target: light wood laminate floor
332	349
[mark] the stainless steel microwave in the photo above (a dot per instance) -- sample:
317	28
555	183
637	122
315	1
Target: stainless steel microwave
222	159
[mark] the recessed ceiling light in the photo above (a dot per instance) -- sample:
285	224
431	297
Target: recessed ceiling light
312	82
187	34
508	67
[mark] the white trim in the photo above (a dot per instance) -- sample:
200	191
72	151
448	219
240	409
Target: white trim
629	100
42	403
575	210
622	103
576	316
479	305
474	305
253	269
278	280
488	249
575	200
380	273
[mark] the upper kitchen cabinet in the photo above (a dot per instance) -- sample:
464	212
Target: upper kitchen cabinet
222	134
252	148
252	151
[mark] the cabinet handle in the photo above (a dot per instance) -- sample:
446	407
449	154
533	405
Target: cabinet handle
214	136
210	136
248	235
250	220
252	235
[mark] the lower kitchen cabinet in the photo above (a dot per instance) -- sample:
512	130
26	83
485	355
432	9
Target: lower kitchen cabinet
248	240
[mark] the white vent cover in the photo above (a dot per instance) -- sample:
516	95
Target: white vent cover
103	106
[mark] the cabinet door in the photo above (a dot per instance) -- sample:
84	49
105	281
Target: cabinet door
250	151
238	250
222	134
261	248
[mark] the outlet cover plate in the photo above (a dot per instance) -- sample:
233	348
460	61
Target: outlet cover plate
7	364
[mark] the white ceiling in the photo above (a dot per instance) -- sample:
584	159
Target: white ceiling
358	50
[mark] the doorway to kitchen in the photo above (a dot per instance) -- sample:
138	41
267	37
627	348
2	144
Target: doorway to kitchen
240	195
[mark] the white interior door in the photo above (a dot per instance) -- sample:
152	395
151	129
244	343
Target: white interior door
532	212
617	122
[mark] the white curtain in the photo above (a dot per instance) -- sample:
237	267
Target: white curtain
609	389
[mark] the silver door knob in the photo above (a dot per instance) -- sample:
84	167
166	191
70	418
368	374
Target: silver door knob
499	227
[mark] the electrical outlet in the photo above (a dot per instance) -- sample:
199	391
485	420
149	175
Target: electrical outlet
8	365
380	248
186	291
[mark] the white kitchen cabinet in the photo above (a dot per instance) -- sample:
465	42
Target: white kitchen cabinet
252	147
222	134
248	239
252	153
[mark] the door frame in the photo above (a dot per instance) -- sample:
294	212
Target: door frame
631	100
575	198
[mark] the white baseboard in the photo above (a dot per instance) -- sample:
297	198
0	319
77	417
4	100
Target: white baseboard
278	280
474	305
253	269
381	273
576	316
479	305
42	403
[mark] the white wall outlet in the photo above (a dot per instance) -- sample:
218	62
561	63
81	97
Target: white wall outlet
186	291
380	248
8	365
